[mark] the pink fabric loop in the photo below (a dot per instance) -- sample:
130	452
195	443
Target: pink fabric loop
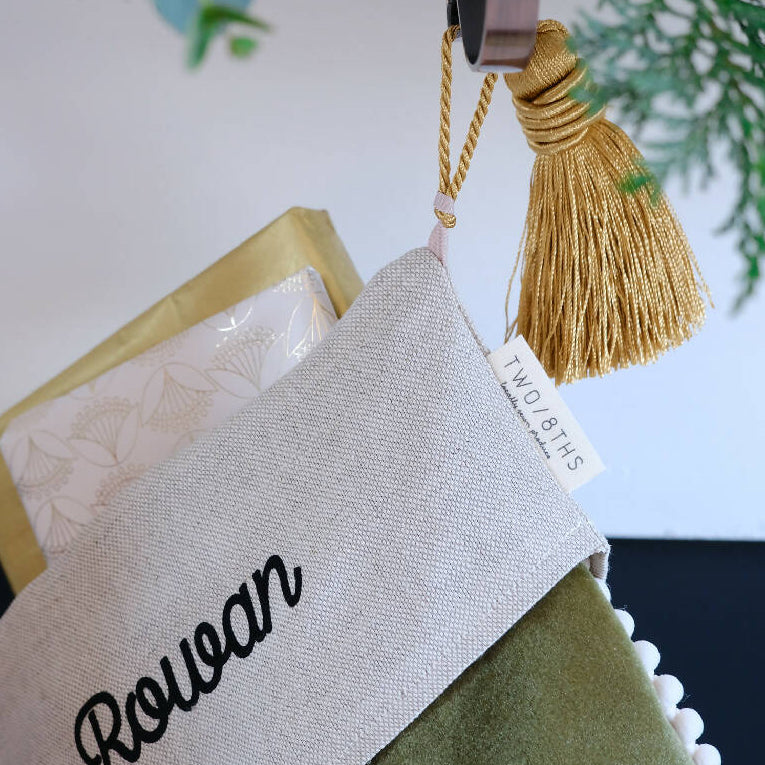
444	203
438	242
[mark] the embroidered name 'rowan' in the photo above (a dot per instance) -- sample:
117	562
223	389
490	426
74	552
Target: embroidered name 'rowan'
101	714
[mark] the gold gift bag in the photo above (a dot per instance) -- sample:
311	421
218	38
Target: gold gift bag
297	239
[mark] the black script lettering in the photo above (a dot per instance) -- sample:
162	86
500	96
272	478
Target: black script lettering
149	696
214	655
174	695
255	634
135	726
198	683
105	744
156	708
275	563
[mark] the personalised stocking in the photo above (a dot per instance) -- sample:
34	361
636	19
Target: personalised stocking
302	583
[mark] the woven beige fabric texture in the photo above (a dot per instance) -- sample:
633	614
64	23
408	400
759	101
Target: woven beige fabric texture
414	522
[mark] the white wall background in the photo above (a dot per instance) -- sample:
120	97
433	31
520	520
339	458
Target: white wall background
122	175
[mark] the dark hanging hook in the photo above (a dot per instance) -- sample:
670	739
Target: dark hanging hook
452	13
498	35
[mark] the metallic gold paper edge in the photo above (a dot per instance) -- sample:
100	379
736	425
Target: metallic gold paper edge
299	238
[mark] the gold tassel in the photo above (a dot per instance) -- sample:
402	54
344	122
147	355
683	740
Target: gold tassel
608	277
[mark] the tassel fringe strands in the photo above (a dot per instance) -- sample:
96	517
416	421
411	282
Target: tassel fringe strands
608	278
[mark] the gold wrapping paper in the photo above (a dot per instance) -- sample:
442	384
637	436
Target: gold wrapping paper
297	239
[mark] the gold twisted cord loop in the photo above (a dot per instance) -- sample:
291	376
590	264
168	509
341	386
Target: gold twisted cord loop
553	121
487	88
444	136
446	184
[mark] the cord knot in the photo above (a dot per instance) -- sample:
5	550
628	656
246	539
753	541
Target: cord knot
447	220
551	119
443	207
554	121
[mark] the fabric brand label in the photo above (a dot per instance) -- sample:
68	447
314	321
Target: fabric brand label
570	456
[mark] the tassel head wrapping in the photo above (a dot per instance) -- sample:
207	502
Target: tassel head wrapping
608	278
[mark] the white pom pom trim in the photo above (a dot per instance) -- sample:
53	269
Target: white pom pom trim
706	754
689	726
626	620
687	722
670	692
649	655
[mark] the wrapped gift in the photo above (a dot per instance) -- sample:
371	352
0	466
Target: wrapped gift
297	239
70	456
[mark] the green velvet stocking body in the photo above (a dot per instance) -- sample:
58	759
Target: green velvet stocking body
563	687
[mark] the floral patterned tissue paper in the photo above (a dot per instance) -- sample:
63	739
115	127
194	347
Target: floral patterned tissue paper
68	457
